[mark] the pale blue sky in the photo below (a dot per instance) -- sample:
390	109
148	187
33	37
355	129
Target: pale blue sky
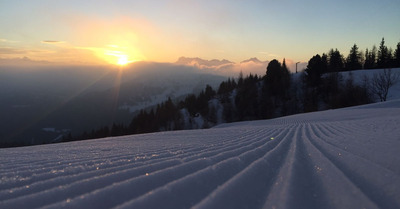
221	29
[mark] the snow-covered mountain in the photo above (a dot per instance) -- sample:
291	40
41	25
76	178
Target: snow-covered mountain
344	158
255	60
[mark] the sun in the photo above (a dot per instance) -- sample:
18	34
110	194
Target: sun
119	55
123	60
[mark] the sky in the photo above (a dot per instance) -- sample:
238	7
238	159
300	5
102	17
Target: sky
123	31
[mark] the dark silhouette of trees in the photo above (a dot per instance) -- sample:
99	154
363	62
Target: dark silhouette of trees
370	58
383	55
226	87
143	123
315	68
225	91
275	90
285	80
353	61
118	130
190	104
397	56
277	79
331	90
246	100
202	100
335	61
166	117
352	94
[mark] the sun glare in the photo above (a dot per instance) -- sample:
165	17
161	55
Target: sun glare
118	55
123	60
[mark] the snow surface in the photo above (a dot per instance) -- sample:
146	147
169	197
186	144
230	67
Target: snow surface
345	158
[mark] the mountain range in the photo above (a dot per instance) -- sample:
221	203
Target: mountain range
226	67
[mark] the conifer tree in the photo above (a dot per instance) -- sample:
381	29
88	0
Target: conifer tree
324	59
383	55
353	61
370	58
246	99
277	78
397	56
314	71
284	67
335	61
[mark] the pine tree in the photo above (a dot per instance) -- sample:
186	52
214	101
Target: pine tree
284	67
190	104
370	58
335	61
246	99
277	78
390	59
353	61
314	71
324	60
240	79
209	92
285	80
383	55
397	56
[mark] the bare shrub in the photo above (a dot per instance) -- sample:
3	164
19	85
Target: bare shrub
382	81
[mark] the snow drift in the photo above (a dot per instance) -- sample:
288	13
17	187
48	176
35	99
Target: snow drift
345	158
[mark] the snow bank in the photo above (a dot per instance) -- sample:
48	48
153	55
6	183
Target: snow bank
345	158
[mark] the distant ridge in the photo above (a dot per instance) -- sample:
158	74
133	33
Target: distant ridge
255	60
214	62
202	62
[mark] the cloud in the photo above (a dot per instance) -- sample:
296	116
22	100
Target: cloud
62	54
7	41
24	61
292	65
52	42
8	50
232	69
226	67
11	51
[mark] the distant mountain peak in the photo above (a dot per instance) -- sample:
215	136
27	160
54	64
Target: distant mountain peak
202	62
254	59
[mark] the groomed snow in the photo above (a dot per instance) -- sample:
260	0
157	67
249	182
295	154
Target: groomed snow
346	158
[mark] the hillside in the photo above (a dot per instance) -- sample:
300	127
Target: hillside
344	158
79	98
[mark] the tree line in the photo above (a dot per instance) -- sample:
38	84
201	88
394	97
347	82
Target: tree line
277	93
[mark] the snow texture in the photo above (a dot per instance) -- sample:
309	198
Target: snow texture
345	158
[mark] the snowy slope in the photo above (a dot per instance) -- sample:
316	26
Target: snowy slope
345	158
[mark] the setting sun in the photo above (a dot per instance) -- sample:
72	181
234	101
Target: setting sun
123	60
118	55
